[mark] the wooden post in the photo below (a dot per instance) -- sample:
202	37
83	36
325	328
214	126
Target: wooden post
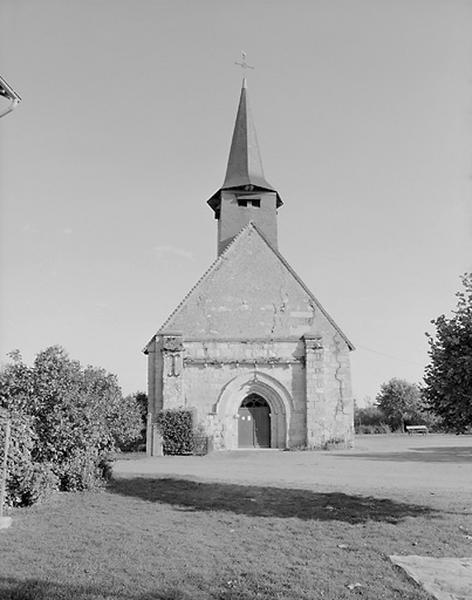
3	481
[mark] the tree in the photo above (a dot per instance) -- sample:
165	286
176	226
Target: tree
369	419
400	401
71	416
448	377
140	400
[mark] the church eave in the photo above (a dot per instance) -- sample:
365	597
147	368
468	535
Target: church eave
214	201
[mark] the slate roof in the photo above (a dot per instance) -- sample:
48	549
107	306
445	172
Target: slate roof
244	162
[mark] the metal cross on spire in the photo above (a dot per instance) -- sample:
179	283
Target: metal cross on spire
244	64
6	91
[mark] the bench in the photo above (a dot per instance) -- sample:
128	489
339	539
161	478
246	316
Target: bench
417	429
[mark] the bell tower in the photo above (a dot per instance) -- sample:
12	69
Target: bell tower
245	195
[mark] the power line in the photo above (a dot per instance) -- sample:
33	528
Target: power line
411	362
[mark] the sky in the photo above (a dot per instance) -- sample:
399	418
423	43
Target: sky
363	110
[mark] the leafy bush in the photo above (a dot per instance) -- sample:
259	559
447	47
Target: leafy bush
27	481
377	428
81	471
67	420
176	429
130	422
369	419
31	483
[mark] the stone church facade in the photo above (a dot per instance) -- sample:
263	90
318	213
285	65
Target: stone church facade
250	349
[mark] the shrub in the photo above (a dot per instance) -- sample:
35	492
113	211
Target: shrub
370	416
30	484
127	421
378	428
83	470
68	417
27	481
176	429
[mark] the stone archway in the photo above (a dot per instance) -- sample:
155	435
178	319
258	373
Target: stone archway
272	391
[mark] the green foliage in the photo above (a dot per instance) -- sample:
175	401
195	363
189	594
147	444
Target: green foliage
134	409
142	401
16	385
67	419
176	429
370	419
27	481
31	483
401	403
84	469
373	429
448	377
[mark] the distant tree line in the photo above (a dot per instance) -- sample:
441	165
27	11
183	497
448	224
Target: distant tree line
398	404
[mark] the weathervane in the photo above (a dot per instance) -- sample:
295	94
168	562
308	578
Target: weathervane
6	91
244	64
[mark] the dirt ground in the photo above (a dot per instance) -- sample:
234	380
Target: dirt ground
400	466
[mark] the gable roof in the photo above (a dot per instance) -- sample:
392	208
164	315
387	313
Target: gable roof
240	242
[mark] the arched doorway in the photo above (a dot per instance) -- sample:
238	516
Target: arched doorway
233	394
254	422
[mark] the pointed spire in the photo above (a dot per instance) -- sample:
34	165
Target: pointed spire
244	163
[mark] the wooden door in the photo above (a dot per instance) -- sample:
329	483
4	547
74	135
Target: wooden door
254	423
261	419
245	428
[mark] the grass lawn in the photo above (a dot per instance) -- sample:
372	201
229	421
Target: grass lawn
195	528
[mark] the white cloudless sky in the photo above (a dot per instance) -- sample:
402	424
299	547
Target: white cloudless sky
363	110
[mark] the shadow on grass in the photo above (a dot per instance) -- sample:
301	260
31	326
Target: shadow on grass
37	589
439	454
256	501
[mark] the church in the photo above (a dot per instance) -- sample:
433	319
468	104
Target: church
250	350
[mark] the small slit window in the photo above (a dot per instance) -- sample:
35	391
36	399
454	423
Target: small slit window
242	202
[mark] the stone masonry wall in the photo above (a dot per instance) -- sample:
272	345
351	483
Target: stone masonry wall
319	384
329	402
250	313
